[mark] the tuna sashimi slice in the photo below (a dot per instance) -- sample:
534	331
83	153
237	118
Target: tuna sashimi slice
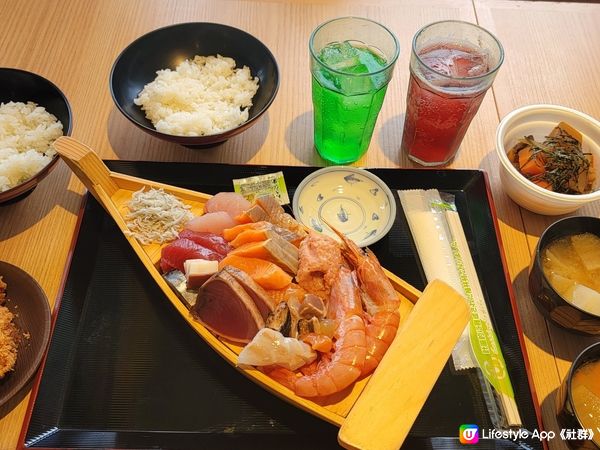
177	252
224	307
232	203
209	240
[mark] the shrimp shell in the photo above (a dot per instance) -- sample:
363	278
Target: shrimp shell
345	364
380	299
380	332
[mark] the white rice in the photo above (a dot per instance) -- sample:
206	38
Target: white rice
27	132
202	96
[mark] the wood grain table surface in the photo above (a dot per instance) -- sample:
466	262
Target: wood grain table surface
551	57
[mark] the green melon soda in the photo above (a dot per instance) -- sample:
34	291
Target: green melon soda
348	89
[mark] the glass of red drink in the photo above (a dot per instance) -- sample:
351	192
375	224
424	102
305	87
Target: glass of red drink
452	65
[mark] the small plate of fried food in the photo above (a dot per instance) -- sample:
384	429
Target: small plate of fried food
24	329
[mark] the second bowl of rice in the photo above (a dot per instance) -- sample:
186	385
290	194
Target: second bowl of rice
195	84
33	113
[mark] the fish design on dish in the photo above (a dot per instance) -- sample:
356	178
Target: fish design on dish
374	216
371	233
316	225
352	178
342	214
374	191
319	197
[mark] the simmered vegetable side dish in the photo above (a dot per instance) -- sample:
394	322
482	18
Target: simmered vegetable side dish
558	163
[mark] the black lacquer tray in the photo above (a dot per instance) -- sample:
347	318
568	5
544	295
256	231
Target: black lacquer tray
124	370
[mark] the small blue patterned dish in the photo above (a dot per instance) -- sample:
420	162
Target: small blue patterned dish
354	201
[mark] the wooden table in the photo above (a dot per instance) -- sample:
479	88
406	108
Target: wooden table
551	51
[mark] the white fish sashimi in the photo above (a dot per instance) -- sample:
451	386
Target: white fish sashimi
214	222
231	202
271	347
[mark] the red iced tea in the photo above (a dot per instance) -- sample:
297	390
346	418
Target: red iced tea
441	102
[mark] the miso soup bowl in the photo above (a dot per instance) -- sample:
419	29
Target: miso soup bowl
539	120
565	406
547	300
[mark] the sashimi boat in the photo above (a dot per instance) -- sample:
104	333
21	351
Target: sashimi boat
376	411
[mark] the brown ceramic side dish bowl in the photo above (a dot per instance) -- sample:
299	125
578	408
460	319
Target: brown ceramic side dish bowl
28	303
547	300
21	86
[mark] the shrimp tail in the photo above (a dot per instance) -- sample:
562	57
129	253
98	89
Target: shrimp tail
283	376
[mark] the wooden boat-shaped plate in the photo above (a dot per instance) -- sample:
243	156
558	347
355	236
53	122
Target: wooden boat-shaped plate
398	387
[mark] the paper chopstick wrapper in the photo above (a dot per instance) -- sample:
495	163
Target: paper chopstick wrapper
444	253
427	226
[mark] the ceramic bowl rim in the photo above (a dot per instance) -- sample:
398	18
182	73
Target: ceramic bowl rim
501	151
217	137
41	302
538	258
574	366
33	181
358	170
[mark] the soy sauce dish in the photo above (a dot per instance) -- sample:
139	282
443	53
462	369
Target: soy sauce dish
354	201
565	249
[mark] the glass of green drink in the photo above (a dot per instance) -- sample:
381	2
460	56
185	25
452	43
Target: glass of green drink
352	60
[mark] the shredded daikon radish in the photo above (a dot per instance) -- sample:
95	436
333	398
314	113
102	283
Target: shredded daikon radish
156	216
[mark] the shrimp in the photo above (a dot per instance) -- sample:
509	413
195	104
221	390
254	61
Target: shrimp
344	365
380	331
380	299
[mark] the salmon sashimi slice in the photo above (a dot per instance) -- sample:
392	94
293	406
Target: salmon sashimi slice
250	236
231	234
275	249
265	273
254	214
